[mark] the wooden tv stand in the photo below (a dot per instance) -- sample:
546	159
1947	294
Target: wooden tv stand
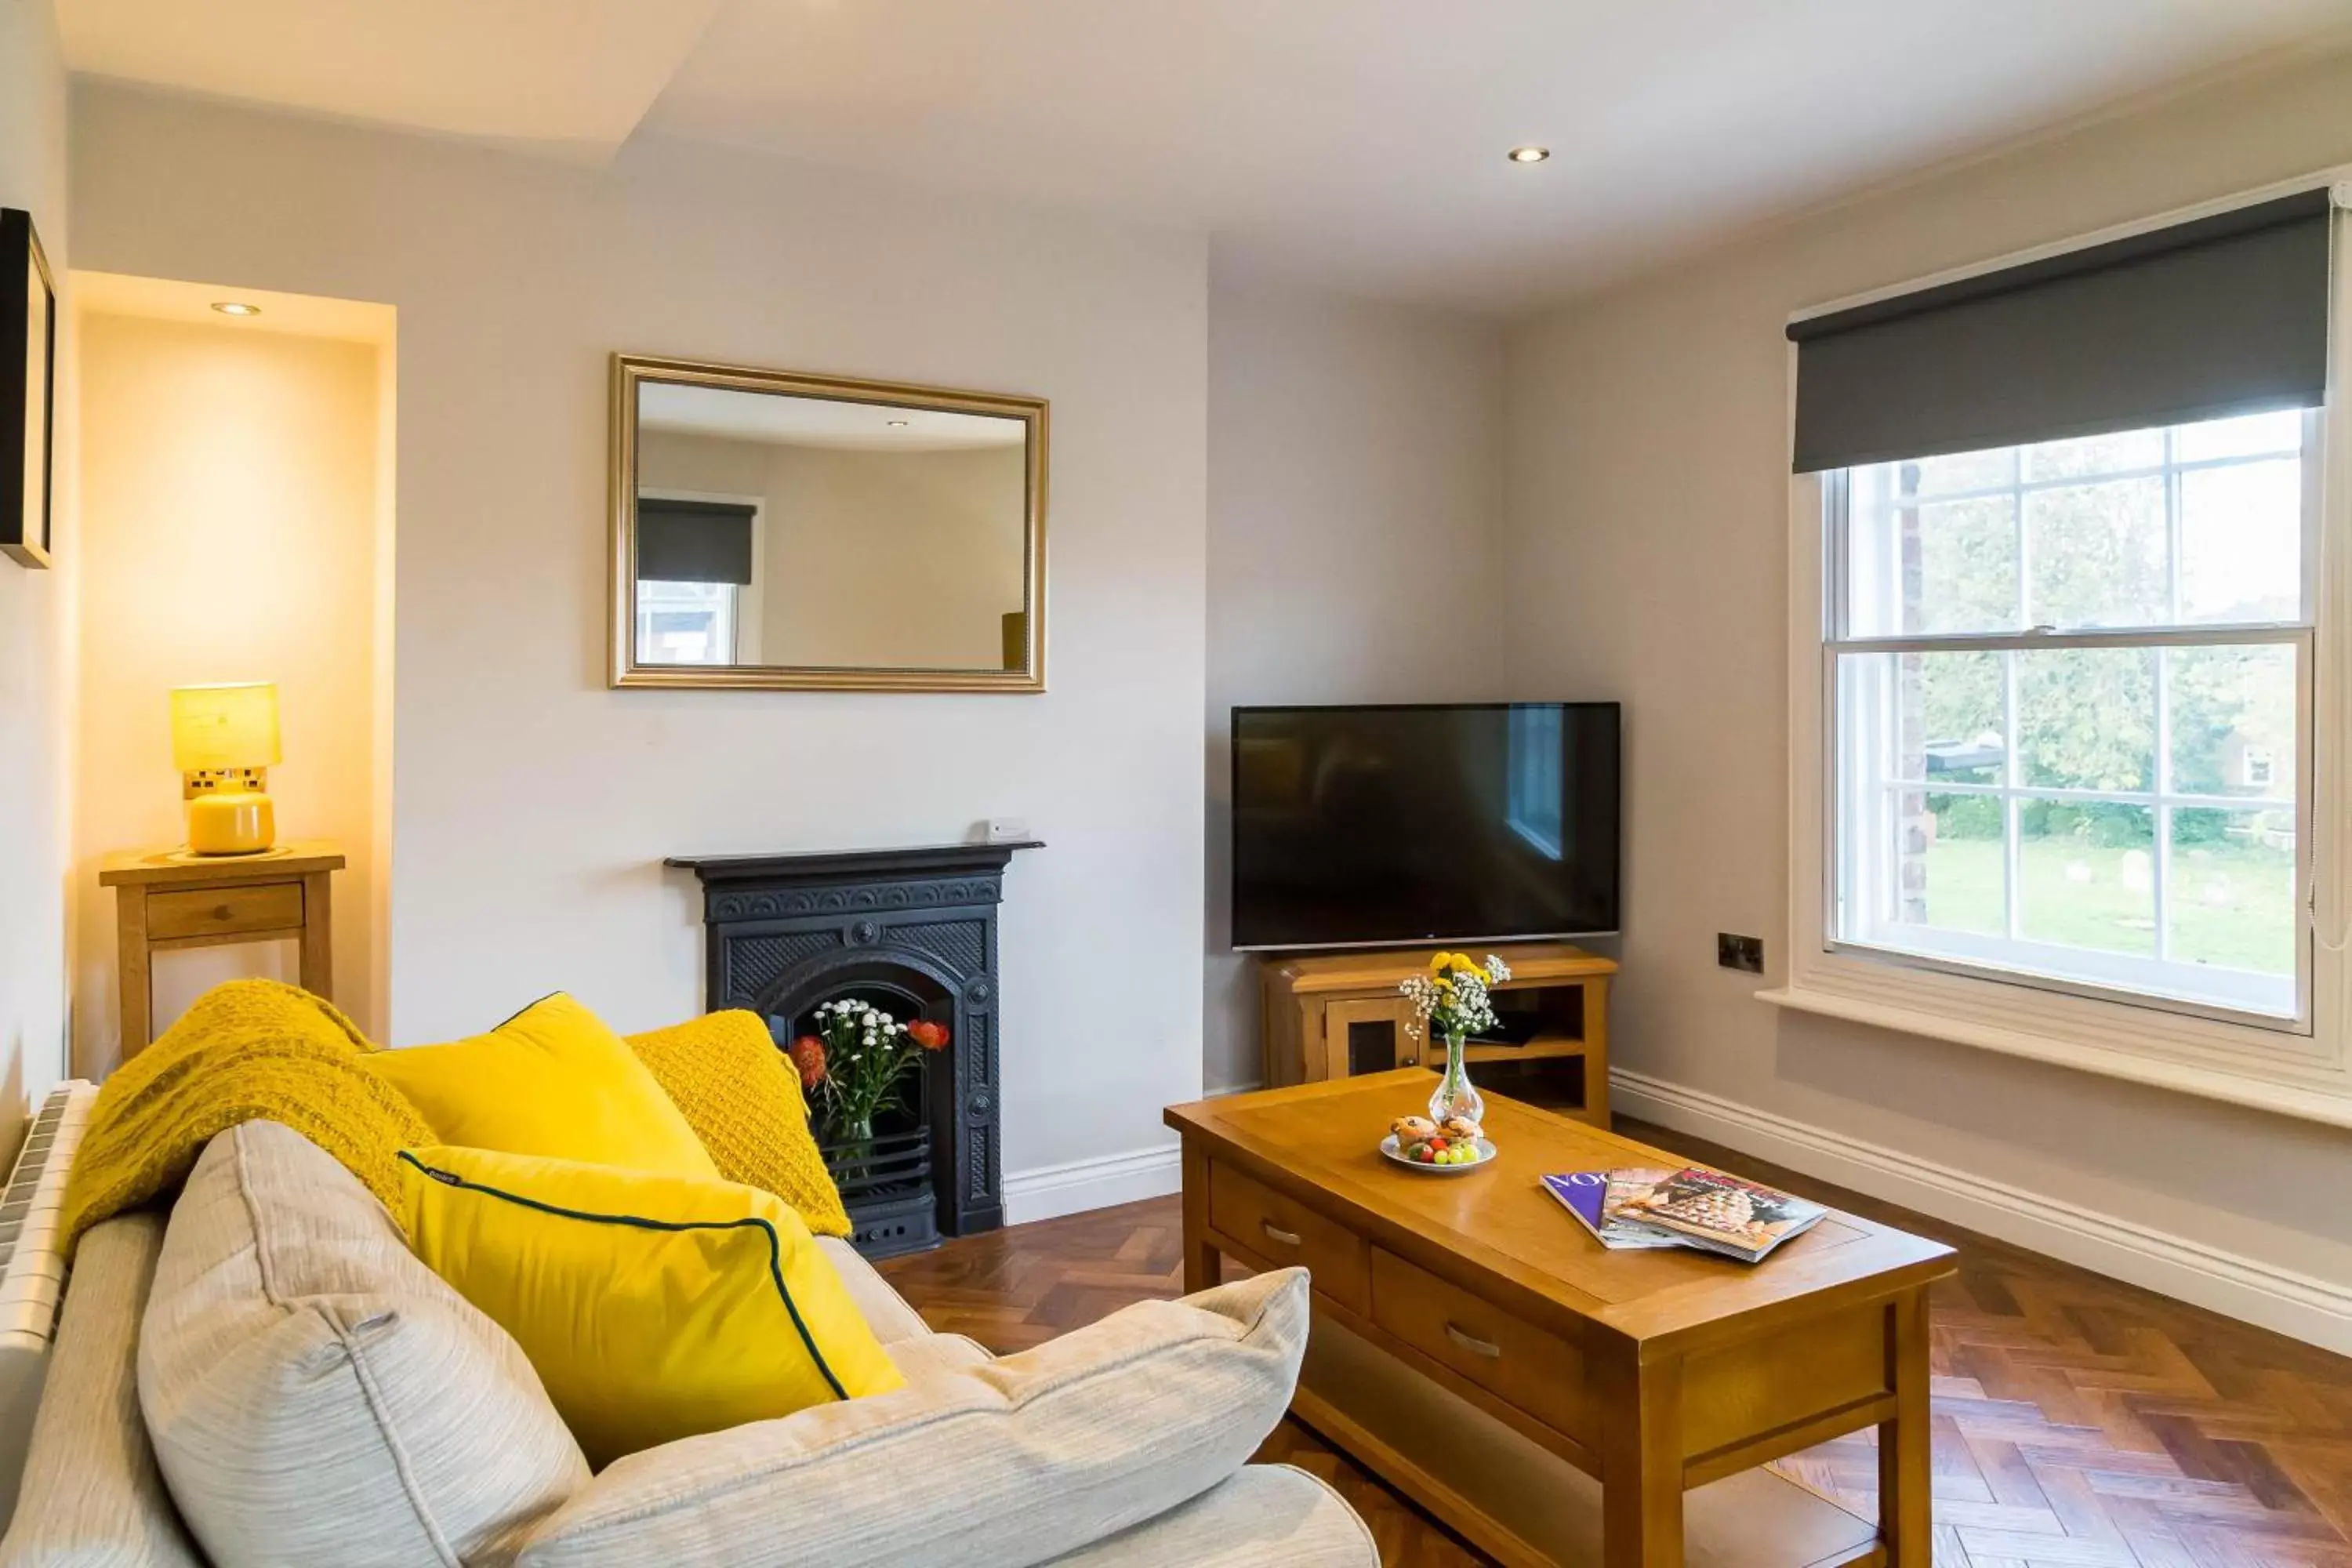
1339	1014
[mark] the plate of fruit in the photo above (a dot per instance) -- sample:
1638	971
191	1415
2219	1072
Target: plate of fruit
1454	1145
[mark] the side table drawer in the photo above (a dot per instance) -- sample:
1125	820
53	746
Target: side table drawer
224	911
1539	1372
1287	1232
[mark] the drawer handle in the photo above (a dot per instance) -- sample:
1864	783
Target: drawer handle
1274	1233
1474	1345
220	912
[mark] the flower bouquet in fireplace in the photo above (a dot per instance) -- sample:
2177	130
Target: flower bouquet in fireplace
857	1063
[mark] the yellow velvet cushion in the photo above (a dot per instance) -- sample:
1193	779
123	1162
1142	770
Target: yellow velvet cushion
552	1080
743	1097
651	1307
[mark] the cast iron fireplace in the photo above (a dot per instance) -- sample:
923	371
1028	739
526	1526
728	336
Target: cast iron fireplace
914	932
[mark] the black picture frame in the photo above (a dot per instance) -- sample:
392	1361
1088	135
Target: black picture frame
28	380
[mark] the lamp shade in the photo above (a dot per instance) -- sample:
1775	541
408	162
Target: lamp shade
225	726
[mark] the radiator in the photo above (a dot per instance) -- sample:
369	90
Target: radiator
33	1270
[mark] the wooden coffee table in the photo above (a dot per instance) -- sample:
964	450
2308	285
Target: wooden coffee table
1478	1349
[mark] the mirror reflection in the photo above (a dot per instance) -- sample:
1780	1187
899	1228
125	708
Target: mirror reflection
820	538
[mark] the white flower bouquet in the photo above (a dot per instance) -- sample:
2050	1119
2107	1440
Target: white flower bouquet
858	1061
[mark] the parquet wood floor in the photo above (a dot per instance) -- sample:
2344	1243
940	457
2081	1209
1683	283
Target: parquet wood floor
2079	1422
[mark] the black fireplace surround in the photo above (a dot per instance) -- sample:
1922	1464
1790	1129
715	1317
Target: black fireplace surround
914	932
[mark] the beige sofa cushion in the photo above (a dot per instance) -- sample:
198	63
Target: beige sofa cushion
933	1354
91	1496
1260	1514
885	1310
316	1395
1012	1462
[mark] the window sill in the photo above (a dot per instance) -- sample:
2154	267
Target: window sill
2310	1102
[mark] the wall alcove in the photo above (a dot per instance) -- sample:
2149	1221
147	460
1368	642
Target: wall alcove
236	473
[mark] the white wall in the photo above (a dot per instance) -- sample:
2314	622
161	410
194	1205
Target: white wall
1355	461
36	671
228	532
1648	523
533	805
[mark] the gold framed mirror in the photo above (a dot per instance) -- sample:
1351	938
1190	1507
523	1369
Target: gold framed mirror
817	534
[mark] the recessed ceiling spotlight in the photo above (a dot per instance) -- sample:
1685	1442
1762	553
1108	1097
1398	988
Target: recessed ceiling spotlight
897	423
235	307
1529	154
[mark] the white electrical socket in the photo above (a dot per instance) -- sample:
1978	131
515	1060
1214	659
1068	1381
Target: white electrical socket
1008	829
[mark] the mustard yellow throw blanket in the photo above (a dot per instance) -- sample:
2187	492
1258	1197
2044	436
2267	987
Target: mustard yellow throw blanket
250	1050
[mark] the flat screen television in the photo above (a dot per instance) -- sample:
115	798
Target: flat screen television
1423	823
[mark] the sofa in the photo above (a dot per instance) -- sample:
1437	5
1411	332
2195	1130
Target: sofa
396	1424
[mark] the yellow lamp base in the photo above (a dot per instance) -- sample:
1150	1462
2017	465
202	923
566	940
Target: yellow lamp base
242	823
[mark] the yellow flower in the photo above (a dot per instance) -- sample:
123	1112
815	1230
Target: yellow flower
1447	964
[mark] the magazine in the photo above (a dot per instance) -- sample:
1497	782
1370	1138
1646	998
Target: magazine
1585	1195
1641	1207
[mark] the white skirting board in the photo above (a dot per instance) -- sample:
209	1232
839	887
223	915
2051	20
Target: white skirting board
2304	1306
1050	1191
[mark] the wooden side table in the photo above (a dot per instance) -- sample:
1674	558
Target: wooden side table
171	899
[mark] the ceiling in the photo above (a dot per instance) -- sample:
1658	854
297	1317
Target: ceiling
780	420
569	78
192	304
1354	142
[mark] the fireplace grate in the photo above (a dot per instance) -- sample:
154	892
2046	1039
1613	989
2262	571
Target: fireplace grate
885	1185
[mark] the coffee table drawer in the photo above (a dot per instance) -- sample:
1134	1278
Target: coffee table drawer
1539	1372
1284	1231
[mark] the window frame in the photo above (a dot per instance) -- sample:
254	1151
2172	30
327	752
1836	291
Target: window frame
1982	956
729	608
2306	1074
744	631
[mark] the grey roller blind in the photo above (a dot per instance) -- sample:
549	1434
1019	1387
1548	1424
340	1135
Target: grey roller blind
693	541
2222	315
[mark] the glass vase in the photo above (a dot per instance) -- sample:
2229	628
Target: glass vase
1455	1096
854	1138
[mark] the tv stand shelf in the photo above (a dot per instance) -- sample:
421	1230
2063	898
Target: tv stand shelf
1339	1014
1543	1047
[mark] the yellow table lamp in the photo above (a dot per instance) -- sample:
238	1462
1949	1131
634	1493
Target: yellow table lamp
224	741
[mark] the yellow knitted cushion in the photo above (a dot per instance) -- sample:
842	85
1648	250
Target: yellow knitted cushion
551	1080
742	1099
